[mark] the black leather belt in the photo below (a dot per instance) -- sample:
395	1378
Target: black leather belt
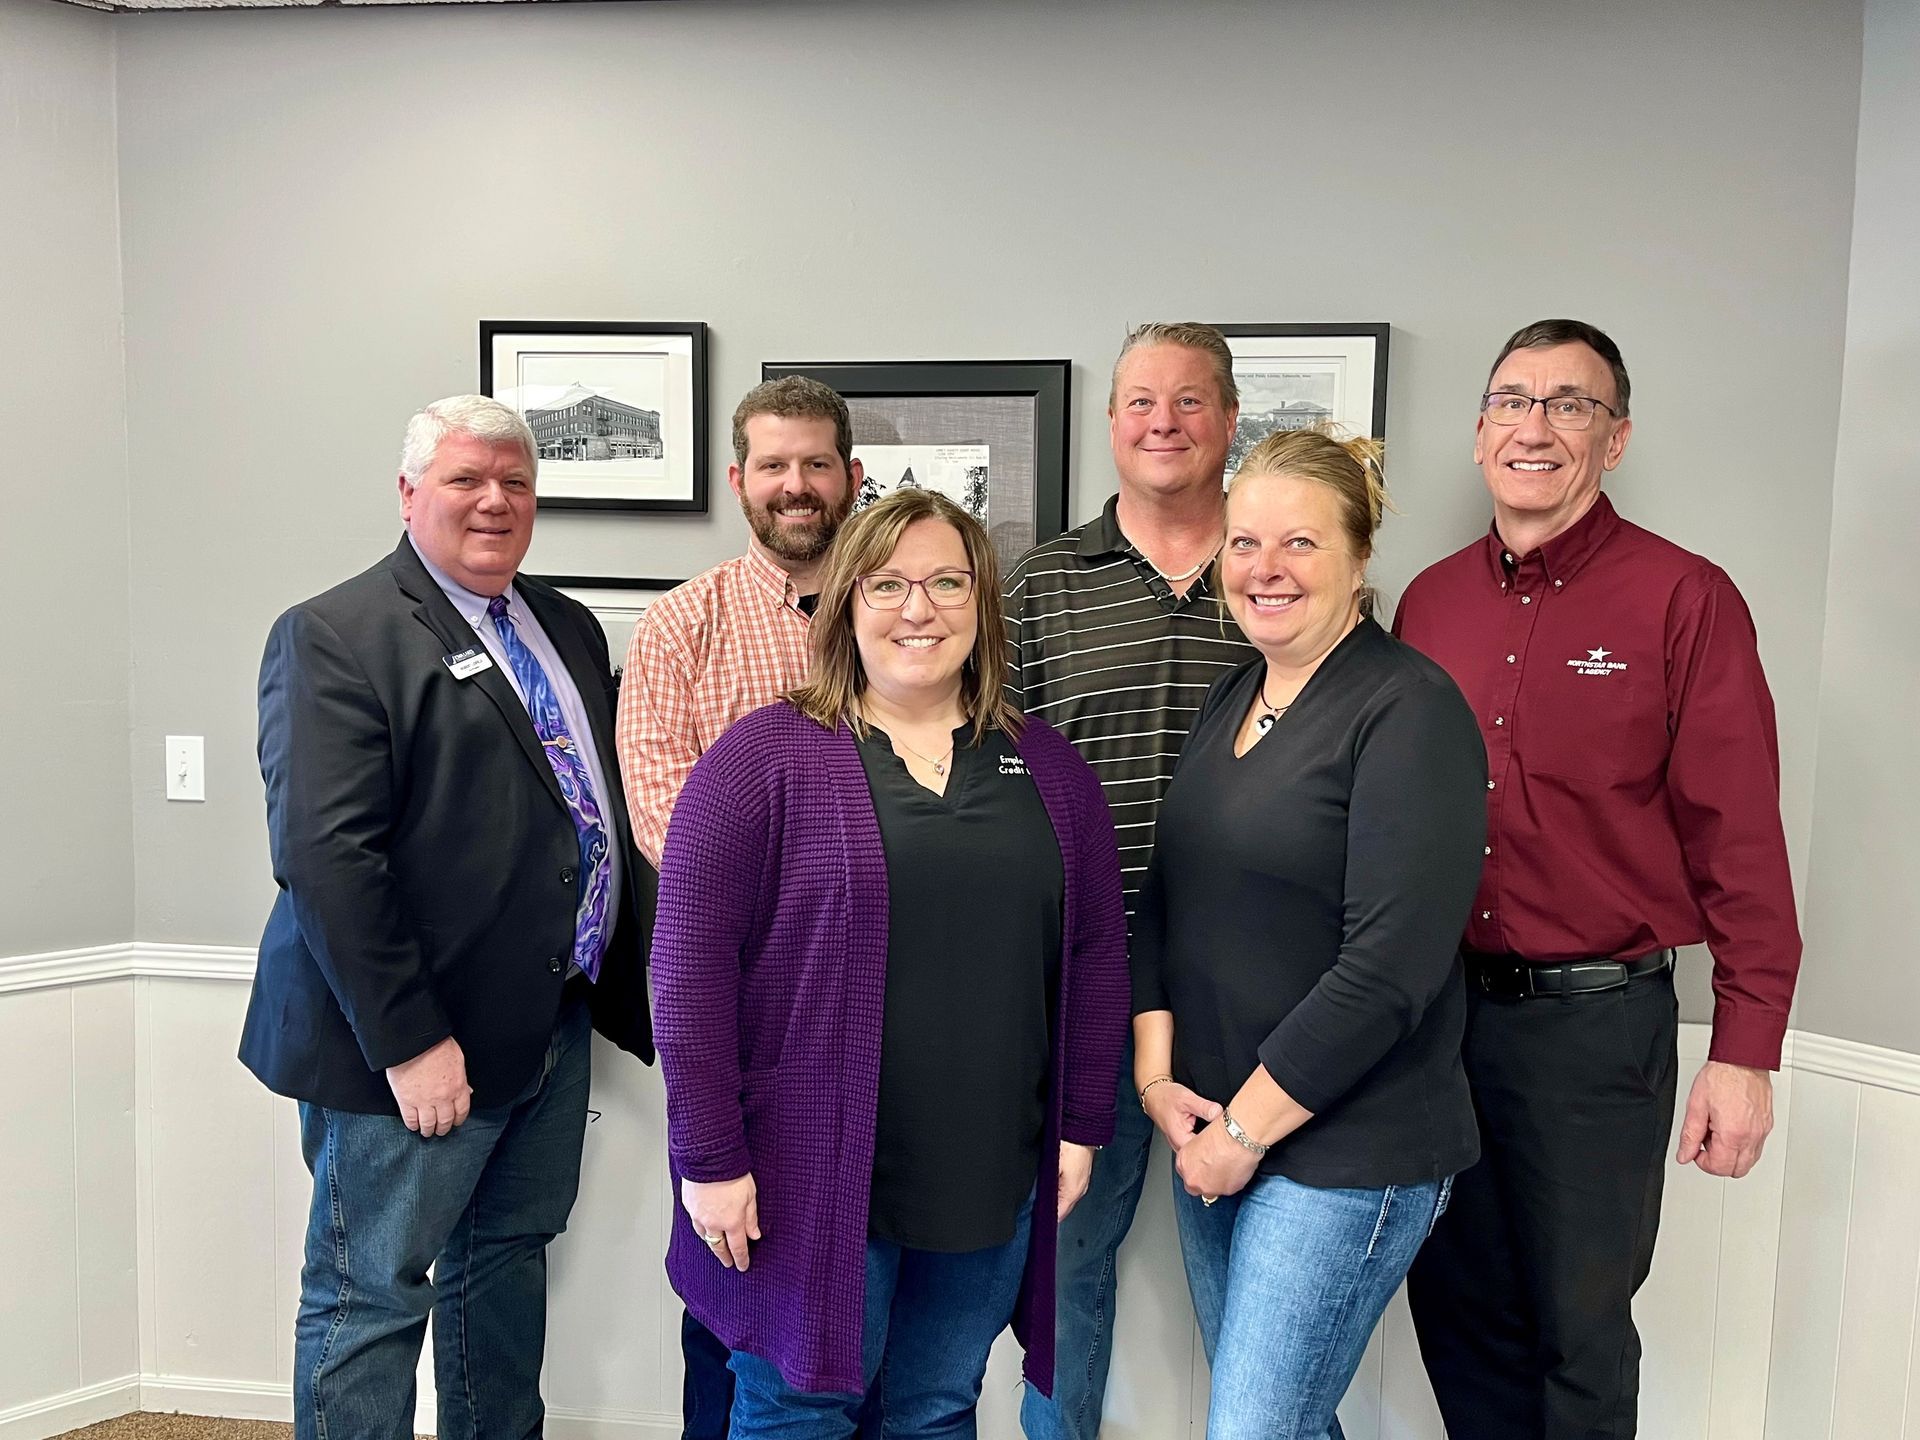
1513	977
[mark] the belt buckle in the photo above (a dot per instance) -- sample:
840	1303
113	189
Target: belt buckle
1620	980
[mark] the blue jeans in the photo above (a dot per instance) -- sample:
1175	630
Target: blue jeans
1087	1293
931	1320
1288	1282
479	1205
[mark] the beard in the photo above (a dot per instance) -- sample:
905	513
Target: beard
799	543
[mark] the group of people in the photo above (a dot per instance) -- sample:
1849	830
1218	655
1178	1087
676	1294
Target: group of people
941	891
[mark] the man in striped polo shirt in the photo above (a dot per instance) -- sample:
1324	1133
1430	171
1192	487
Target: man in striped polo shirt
1114	635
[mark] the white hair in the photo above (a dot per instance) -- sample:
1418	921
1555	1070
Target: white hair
481	416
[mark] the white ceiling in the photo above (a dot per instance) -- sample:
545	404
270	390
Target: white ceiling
275	4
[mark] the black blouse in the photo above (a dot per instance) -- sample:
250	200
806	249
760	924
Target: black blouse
974	890
1305	905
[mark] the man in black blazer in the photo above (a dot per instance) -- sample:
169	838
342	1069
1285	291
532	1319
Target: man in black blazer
459	899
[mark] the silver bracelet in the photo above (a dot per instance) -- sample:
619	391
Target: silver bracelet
1240	1136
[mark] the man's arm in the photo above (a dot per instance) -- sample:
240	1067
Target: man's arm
1011	602
655	728
1723	780
326	757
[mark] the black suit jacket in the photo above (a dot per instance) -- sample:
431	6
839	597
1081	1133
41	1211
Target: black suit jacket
427	864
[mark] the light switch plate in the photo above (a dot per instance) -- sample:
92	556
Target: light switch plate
186	767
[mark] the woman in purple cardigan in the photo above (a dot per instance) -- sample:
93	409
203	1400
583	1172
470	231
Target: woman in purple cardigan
890	993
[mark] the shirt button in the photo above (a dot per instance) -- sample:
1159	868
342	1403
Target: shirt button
1486	914
1556	584
1499	719
1489	784
1487	850
553	963
1526	599
1509	659
566	876
1507	558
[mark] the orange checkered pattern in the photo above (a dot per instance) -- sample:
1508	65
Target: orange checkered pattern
727	642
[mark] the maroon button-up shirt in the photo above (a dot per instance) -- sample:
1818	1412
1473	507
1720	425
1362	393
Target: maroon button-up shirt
1634	799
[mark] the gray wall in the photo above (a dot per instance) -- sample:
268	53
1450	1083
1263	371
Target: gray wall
319	206
66	847
1863	891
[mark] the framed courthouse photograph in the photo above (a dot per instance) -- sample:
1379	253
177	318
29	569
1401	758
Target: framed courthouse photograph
617	603
991	434
618	408
1295	376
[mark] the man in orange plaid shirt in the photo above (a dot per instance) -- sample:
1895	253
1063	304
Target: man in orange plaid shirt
727	642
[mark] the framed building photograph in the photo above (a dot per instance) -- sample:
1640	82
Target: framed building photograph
616	602
991	434
1292	377
617	408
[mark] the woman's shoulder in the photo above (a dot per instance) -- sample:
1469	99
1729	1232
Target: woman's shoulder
1412	687
768	739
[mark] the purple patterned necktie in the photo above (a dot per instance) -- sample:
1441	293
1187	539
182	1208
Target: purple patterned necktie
576	786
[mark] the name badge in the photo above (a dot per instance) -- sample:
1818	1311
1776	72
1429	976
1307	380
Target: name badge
467	663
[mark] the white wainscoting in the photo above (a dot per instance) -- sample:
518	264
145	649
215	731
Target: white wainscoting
153	1201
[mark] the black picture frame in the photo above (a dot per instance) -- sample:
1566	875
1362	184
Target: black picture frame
1031	487
617	602
596	450
1336	359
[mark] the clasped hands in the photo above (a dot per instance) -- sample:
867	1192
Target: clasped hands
1210	1162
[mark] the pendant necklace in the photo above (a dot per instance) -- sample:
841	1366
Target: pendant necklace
939	766
1265	723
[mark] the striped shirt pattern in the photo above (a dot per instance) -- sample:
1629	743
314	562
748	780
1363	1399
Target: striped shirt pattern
727	642
1101	649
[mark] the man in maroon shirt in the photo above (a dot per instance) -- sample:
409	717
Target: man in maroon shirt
1633	807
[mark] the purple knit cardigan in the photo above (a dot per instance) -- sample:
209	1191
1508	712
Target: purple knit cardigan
769	982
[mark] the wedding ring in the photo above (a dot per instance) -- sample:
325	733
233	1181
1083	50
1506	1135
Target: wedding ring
716	1239
1208	1199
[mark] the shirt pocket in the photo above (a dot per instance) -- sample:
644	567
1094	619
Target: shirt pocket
1606	729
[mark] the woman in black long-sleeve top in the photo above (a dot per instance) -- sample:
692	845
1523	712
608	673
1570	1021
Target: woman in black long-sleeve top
1297	985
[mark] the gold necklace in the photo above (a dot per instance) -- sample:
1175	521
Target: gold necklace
1184	575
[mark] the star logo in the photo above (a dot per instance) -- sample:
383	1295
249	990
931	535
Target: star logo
1598	655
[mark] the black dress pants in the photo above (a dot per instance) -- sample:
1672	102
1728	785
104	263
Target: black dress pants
1522	1296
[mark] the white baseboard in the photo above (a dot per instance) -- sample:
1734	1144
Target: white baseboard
235	1399
611	1425
60	1413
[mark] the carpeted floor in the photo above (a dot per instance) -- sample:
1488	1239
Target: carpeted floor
182	1427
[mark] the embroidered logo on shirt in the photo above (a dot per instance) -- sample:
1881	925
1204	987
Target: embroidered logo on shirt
1012	765
1597	663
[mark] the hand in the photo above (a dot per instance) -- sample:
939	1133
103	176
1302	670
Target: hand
729	1211
1729	1115
1173	1108
432	1089
1213	1164
1076	1173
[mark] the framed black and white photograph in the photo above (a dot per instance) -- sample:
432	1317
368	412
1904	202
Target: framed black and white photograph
1292	377
618	408
991	434
616	602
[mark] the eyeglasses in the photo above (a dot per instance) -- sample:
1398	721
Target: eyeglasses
1564	412
948	589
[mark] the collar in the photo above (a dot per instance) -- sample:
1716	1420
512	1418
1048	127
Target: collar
770	580
472	607
1102	536
1566	554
